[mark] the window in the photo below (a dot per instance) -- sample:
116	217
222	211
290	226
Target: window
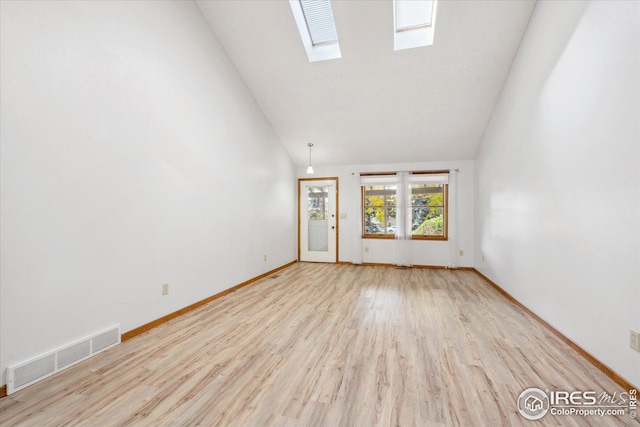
319	17
314	19
412	14
426	205
318	203
379	210
414	23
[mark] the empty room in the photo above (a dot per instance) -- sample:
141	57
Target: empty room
319	213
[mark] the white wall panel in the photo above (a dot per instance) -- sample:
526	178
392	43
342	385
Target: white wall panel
557	178
132	155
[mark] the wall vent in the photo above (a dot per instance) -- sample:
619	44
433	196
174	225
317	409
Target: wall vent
105	340
38	368
74	353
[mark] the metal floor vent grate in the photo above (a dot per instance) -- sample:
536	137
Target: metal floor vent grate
74	353
33	370
105	340
42	367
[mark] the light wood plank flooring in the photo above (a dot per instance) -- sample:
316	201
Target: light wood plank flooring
324	345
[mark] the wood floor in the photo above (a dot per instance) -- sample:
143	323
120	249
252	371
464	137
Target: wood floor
324	345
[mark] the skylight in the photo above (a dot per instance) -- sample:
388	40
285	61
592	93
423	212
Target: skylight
319	17
317	28
414	23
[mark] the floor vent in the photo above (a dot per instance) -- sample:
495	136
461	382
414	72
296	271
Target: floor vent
33	370
105	340
74	353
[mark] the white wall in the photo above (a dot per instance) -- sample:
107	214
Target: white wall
132	155
557	181
383	251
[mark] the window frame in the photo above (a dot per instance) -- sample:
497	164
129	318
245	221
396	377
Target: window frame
388	236
445	218
315	52
384	235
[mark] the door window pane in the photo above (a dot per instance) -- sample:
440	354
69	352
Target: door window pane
318	203
318	224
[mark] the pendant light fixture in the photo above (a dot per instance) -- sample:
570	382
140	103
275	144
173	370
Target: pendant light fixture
310	168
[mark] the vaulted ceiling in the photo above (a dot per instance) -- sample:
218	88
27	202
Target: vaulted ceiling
374	105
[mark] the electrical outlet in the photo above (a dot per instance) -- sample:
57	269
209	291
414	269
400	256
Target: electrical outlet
461	252
366	249
265	257
634	341
165	289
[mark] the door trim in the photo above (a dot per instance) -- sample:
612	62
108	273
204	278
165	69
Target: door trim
300	180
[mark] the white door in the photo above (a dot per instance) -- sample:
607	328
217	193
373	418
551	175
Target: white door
318	220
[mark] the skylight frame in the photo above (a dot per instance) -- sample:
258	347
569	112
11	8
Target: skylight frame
321	51
417	35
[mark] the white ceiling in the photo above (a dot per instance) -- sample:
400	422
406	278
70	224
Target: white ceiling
374	105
